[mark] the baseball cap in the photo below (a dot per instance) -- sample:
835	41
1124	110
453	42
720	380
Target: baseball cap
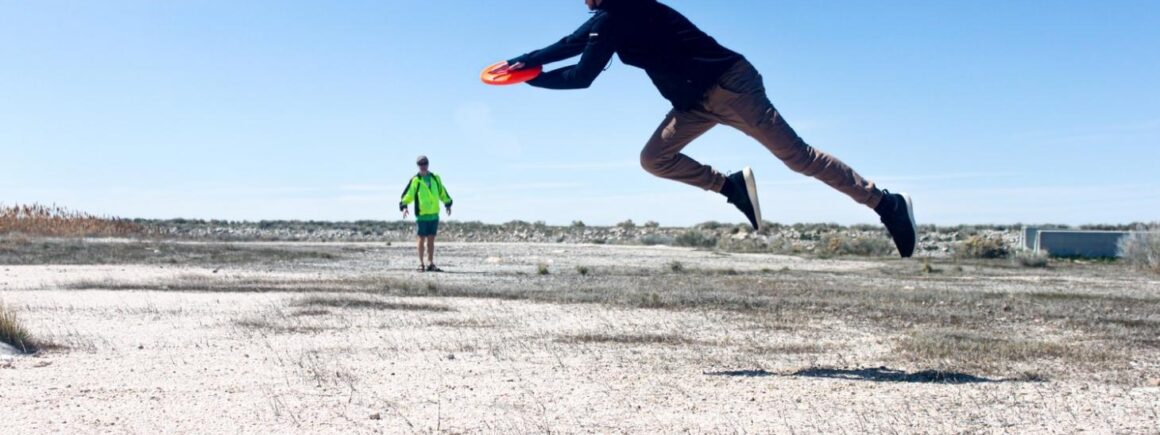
421	160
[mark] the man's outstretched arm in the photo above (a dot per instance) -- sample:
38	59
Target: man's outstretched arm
569	46
597	52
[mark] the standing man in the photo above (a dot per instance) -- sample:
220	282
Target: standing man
707	85
427	191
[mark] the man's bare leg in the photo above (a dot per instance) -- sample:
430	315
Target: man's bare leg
422	265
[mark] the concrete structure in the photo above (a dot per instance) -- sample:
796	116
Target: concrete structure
1029	237
1072	243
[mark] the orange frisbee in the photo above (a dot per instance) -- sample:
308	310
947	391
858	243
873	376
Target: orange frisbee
508	77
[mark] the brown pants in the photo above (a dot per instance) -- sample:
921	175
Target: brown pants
738	100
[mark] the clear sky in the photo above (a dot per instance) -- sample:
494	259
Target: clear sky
991	111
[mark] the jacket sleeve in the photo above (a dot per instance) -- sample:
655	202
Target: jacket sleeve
598	50
567	47
443	195
408	194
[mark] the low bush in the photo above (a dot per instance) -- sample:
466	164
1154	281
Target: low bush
695	239
1141	250
838	244
982	247
1031	259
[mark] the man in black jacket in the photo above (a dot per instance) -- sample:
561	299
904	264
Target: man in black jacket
707	85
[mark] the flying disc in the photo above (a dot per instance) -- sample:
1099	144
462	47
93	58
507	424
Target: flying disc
508	77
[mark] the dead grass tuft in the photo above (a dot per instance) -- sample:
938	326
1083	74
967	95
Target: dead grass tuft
972	350
602	338
366	304
267	325
464	323
14	334
311	312
789	349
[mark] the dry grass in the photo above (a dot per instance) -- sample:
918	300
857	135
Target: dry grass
311	312
13	333
792	296
348	302
269	326
56	221
897	299
645	339
789	349
23	251
975	351
469	323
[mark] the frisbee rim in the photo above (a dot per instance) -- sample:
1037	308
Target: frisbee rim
509	78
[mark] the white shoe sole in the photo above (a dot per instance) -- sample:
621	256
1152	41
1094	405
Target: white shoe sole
751	187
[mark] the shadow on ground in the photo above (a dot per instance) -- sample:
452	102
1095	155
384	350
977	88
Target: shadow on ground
879	374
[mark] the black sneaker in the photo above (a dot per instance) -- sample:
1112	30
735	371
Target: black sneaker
433	268
741	191
897	212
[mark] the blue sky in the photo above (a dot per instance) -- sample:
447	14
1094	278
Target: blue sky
985	111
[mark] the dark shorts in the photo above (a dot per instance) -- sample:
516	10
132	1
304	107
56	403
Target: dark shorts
428	228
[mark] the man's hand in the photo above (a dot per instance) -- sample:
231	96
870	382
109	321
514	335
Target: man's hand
406	212
505	67
448	210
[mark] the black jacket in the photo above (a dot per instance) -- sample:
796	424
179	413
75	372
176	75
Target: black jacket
682	61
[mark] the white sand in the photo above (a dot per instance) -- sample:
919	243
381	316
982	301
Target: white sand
159	361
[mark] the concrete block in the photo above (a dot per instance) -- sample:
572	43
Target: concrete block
1029	237
1086	244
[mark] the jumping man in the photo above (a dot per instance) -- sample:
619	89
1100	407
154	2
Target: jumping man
707	85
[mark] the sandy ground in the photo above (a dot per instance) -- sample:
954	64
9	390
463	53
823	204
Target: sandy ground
163	361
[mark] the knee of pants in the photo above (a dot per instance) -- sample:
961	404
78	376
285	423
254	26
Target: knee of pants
652	162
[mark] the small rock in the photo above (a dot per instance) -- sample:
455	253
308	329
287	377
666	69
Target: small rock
451	356
376	416
140	347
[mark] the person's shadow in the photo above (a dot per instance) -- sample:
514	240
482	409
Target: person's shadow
878	374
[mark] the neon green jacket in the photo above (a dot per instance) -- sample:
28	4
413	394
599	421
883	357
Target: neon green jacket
426	197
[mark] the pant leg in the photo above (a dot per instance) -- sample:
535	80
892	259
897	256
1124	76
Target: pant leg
739	100
662	155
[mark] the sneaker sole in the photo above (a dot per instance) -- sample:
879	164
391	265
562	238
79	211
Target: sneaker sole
910	213
751	187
